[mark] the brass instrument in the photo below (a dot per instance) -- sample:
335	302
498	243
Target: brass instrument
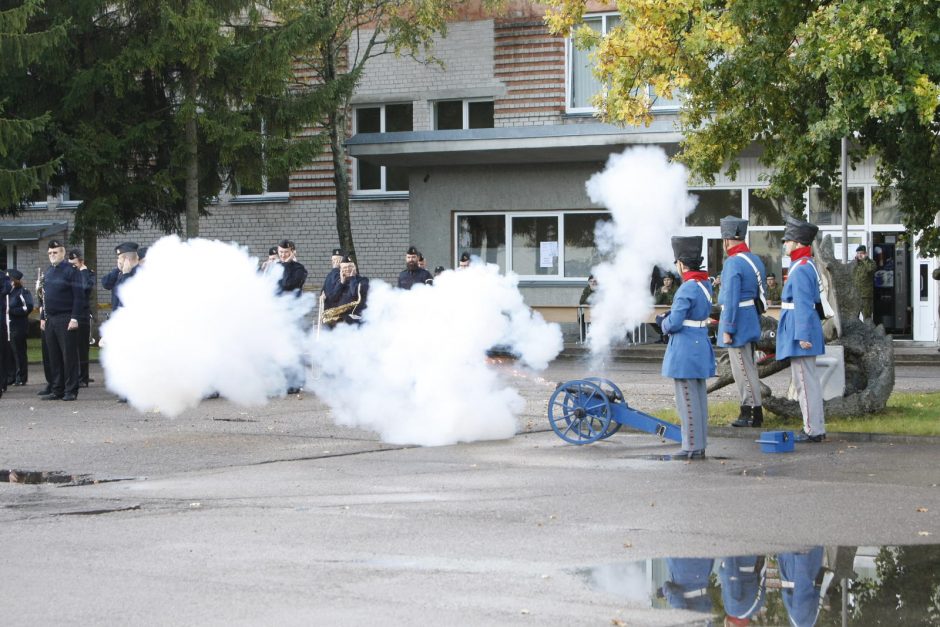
333	315
40	290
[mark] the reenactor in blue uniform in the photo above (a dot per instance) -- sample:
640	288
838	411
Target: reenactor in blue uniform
742	281
799	334
690	358
687	588
21	305
89	282
413	275
801	579
64	304
743	587
127	262
295	275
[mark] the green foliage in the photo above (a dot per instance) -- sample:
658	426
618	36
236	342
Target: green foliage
795	77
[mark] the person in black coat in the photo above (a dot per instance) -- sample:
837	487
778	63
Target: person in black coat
89	282
21	305
6	359
413	275
64	304
295	275
331	282
354	291
127	264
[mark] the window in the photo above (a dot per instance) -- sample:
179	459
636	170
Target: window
768	245
884	206
554	245
463	114
766	211
7	257
390	118
583	85
275	186
825	210
713	205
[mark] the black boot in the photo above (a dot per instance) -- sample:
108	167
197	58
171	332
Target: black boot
744	418
757	416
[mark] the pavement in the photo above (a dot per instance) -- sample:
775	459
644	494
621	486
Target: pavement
276	515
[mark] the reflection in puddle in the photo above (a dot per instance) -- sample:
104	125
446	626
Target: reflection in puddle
896	585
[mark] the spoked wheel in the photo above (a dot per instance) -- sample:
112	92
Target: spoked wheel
614	395
579	412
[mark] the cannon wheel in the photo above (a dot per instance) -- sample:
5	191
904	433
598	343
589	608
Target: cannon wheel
614	394
579	412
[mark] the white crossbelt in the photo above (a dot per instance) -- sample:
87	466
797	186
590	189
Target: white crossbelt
698	324
787	584
694	593
786	305
744	303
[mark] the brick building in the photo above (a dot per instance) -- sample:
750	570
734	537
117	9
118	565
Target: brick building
489	154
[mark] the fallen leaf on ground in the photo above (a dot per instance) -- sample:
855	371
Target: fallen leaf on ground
922	510
923	533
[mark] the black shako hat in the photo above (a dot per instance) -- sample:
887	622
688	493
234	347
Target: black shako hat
688	250
412	251
799	231
126	247
861	248
733	227
15	274
54	243
338	252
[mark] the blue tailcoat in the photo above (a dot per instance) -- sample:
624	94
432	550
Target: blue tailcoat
739	283
689	354
742	586
802	322
802	600
688	574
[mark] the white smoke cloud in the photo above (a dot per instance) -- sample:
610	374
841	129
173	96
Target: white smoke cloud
199	318
416	371
648	202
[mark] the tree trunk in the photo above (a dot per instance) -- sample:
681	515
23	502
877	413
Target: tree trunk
192	161
337	130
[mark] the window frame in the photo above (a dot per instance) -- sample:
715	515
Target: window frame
464	112
382	192
265	195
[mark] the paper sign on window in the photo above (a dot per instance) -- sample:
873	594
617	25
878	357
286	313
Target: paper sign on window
548	252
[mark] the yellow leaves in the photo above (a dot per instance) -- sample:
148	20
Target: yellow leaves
927	97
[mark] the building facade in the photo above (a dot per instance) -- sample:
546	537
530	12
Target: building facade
488	153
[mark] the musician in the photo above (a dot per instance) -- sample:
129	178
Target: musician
271	261
689	358
352	296
127	262
739	324
799	334
413	275
89	281
331	285
295	275
21	305
64	304
6	286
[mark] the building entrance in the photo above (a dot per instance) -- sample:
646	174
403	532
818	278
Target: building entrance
892	294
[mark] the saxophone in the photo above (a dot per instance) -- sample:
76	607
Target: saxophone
40	290
333	315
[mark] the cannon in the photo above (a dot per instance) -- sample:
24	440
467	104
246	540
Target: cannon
586	410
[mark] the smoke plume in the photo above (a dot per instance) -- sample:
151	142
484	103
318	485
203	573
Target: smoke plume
416	371
648	202
197	319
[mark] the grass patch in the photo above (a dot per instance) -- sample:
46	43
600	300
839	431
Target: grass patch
907	413
34	351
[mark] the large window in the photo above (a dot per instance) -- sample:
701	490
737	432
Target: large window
713	205
827	210
884	206
583	85
463	114
557	245
390	118
269	184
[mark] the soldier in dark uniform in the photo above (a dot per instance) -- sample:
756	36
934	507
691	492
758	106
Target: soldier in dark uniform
295	275
89	282
21	305
739	324
667	291
127	262
773	289
413	275
331	282
799	334
64	304
863	276
353	291
690	358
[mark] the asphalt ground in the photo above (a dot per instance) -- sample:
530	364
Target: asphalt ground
275	515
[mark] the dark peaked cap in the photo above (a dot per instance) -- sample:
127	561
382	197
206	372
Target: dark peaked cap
15	274
688	249
412	251
799	231
733	227
338	252
126	247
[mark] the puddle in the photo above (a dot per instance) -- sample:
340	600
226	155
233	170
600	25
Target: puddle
835	585
55	477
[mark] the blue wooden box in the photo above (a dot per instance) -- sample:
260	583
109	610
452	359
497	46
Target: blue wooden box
776	441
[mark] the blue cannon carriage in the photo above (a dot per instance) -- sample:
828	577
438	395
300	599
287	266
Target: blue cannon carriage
586	410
